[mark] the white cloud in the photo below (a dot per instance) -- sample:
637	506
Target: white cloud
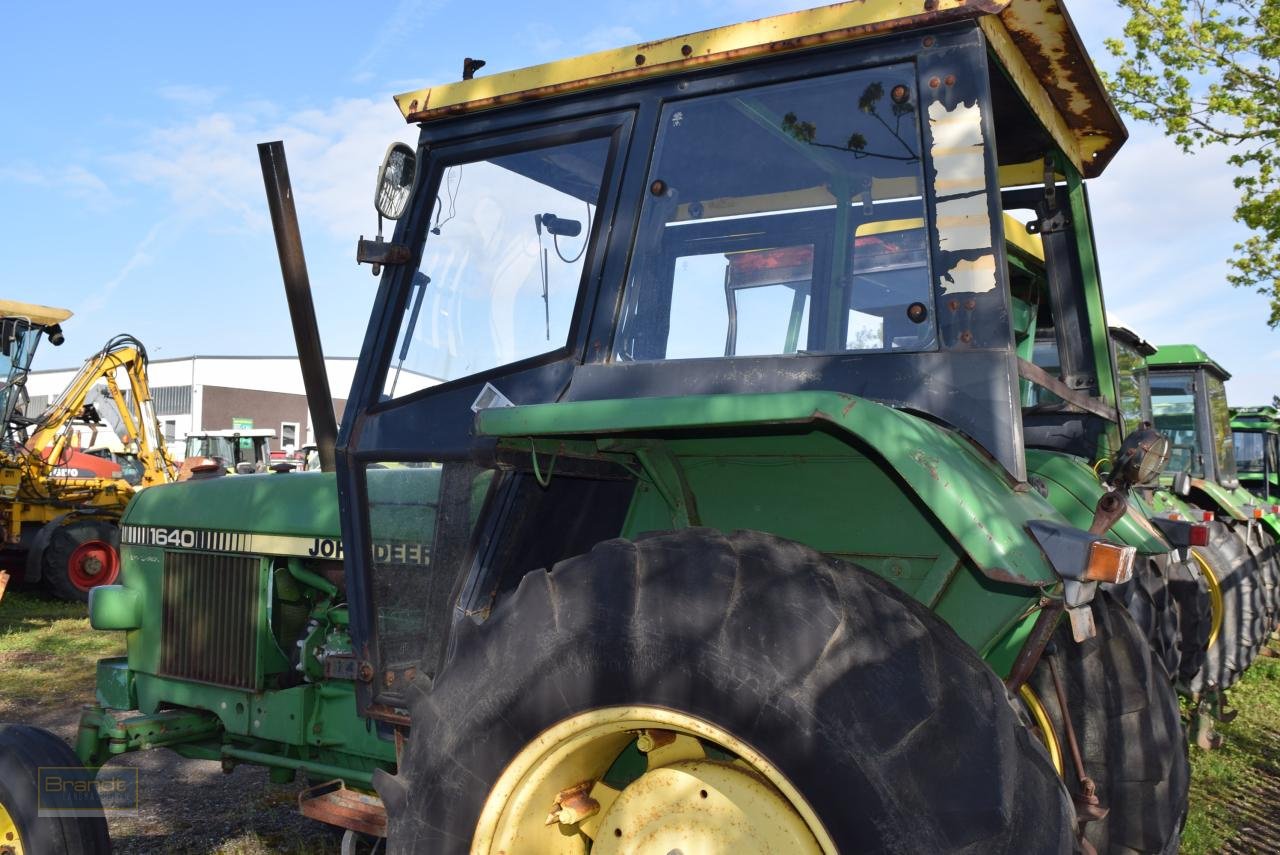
407	18
605	38
140	257
209	167
72	179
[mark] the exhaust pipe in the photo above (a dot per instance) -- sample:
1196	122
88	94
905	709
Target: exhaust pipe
297	288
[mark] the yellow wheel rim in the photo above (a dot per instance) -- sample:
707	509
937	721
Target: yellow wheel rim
10	840
1215	597
702	790
1040	715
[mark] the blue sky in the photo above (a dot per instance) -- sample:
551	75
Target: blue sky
130	190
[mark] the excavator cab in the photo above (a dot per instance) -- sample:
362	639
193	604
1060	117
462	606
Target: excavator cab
22	325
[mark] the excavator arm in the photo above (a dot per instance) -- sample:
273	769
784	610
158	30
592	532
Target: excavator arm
138	425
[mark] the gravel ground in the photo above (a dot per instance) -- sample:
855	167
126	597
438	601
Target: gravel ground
191	806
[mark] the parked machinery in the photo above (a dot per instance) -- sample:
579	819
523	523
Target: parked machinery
722	524
1189	404
1256	434
60	507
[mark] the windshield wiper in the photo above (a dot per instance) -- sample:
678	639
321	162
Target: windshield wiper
420	282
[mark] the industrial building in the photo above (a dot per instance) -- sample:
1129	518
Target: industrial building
199	393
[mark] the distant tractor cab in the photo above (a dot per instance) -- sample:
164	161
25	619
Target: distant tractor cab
235	451
1256	434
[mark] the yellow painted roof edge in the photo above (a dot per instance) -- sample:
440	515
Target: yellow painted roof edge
840	22
42	315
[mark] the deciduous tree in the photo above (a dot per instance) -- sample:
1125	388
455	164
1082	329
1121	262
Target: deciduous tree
1208	72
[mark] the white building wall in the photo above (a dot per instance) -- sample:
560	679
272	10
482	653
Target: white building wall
268	374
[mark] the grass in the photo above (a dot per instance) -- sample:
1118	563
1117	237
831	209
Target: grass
1235	790
48	654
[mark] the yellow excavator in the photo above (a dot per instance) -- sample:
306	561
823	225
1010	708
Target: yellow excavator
59	507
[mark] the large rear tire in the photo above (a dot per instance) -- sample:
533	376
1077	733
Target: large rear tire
1148	600
23	751
80	555
1126	717
865	716
1241	629
1190	593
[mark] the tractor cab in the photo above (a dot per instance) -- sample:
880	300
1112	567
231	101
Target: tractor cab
1255	431
1189	405
236	451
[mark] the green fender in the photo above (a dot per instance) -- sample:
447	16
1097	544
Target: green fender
1074	490
970	495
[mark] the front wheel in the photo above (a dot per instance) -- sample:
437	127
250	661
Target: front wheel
24	750
722	694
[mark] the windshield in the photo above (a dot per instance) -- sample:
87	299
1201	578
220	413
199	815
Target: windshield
1173	406
1220	444
20	339
1251	446
502	263
218	447
784	219
1131	383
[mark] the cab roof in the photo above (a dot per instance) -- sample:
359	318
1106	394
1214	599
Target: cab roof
1035	41
1185	356
246	433
45	316
1255	418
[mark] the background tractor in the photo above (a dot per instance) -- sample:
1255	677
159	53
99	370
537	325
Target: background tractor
1256	434
726	514
236	451
1190	405
59	506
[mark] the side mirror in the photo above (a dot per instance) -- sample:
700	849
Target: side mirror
1142	457
395	181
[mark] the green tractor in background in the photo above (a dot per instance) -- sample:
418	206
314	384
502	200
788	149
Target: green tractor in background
1189	405
778	489
1256	433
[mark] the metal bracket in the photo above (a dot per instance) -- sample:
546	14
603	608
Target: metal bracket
1074	397
1052	218
379	252
667	475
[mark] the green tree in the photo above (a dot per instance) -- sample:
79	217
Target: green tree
1208	71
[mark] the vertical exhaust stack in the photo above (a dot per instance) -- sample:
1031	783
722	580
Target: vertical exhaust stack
297	288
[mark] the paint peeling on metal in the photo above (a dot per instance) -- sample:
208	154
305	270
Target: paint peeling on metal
957	148
960	184
963	224
971	276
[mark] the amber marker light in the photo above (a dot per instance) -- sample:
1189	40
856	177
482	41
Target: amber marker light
1110	562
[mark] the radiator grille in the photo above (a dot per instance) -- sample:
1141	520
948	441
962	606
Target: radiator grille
210	625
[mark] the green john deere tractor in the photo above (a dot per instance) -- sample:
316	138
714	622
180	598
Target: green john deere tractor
1189	403
1256	434
743	520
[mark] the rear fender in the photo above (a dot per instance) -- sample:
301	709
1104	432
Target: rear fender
974	499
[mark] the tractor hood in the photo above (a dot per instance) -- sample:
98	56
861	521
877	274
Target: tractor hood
297	504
